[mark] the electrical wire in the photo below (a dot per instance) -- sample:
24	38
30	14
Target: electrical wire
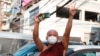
45	4
60	7
48	3
54	6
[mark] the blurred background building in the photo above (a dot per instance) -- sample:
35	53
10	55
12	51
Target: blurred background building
18	17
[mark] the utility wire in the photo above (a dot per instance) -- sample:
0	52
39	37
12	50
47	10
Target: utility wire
45	4
57	4
60	7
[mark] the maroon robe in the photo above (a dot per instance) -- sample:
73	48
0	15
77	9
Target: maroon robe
56	50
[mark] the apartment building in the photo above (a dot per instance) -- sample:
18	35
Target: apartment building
5	6
10	11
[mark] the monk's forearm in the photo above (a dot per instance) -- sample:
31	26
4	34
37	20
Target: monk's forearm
36	30
68	26
36	39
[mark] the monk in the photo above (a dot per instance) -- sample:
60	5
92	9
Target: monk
54	48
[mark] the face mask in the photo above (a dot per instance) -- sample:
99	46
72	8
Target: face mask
52	39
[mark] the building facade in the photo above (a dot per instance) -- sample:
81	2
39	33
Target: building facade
5	6
86	23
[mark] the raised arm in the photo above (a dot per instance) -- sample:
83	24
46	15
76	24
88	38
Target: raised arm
65	39
36	38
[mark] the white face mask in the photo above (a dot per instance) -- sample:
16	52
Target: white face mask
52	39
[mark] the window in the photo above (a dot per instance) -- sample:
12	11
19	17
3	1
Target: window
64	13
90	16
32	13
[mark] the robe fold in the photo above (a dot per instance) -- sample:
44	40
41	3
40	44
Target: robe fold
56	50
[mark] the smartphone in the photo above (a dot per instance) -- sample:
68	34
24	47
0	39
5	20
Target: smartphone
43	16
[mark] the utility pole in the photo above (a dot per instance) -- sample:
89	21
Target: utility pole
0	15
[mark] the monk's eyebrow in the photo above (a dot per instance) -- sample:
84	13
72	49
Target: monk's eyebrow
49	34
52	35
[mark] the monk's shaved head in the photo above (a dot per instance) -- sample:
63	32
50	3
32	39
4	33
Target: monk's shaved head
52	32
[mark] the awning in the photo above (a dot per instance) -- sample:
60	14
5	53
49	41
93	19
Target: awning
25	2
